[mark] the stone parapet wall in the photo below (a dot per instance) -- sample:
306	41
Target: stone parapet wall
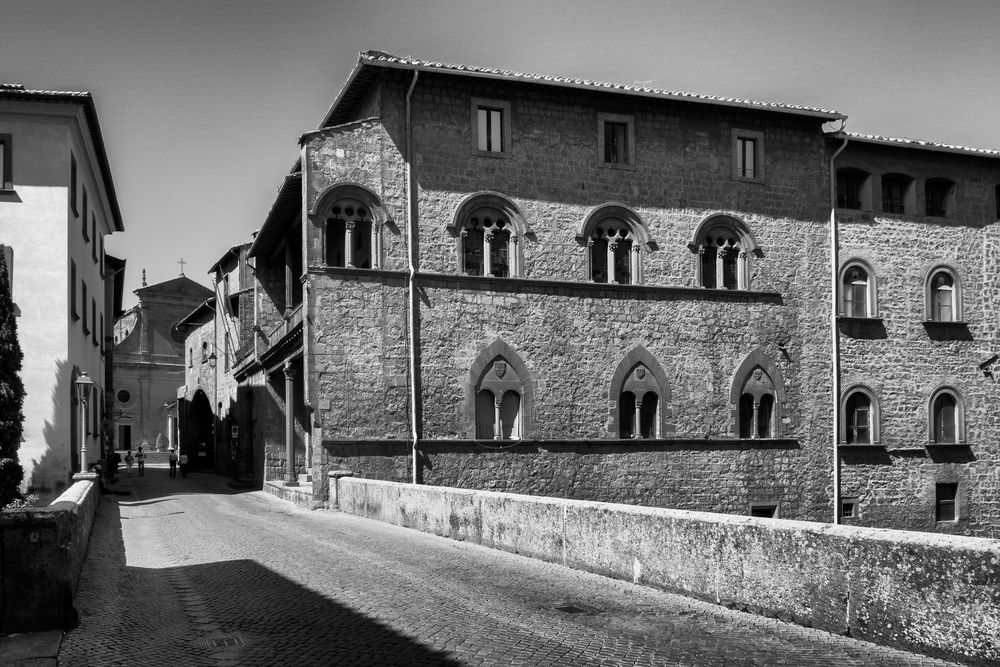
41	556
935	594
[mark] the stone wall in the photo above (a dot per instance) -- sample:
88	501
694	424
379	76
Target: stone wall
42	555
929	593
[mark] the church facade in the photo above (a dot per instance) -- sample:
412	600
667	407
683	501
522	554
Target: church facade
488	279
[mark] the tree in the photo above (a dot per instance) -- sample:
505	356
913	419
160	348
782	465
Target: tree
11	394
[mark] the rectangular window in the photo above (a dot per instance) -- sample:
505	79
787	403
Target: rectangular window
616	140
100	254
945	502
72	290
100	338
6	163
848	508
86	236
490	130
93	234
83	306
93	320
491	127
850	189
72	182
746	157
764	510
616	143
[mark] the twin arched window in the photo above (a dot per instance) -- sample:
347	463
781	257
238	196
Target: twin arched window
757	396
489	228
498	403
724	245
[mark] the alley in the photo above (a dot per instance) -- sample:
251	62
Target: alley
190	572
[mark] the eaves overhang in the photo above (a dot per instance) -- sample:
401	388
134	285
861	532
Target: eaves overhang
915	144
287	205
357	82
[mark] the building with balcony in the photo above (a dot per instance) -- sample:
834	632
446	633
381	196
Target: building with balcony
489	279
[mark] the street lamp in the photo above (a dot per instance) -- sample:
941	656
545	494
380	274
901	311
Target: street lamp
83	386
213	360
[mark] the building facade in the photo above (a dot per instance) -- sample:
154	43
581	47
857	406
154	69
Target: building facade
488	279
57	205
150	361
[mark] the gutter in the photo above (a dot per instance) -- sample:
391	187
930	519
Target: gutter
834	334
411	289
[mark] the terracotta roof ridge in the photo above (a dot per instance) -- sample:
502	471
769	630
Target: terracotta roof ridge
376	56
920	143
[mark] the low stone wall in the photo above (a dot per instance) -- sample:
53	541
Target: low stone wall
935	594
41	555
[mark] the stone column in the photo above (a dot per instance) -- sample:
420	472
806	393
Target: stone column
497	426
720	268
637	425
290	478
487	255
612	272
349	243
464	235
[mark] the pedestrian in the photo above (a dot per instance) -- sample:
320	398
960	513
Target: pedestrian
184	465
140	459
116	460
173	462
129	461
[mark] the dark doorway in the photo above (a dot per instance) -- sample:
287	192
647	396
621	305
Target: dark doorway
200	443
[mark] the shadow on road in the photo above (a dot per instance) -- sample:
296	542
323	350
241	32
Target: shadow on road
237	611
157	484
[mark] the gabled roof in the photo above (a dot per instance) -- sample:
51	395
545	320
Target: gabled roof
359	78
179	286
234	251
905	142
15	91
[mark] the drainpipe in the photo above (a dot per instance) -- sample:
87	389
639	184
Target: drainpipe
835	336
411	290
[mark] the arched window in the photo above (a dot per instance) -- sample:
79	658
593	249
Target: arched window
859	417
349	234
944	303
947	417
614	236
639	405
639	398
757	398
489	228
857	290
724	246
757	405
498	403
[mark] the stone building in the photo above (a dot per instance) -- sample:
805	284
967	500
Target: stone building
150	360
488	279
57	205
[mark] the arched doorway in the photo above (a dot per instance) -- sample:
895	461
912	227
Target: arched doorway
200	443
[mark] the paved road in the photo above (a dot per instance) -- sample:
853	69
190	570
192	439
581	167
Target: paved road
188	572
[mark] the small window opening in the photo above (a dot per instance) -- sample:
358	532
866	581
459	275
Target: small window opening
894	191
945	502
746	157
490	129
764	510
615	142
849	508
936	195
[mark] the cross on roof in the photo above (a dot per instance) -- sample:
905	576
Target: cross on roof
182	263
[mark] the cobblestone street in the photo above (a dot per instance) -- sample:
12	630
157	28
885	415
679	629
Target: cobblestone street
189	572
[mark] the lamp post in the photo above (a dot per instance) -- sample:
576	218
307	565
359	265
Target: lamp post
83	385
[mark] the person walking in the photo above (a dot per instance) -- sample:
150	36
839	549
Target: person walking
140	459
173	462
129	461
184	465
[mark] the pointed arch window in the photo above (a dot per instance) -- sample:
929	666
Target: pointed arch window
757	398
724	246
944	303
350	234
857	290
498	402
639	405
947	417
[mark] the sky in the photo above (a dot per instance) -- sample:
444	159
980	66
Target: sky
201	102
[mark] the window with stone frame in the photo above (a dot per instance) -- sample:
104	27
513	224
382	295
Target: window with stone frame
639	405
897	193
859	417
853	189
857	290
614	236
616	140
491	127
351	235
498	402
945	501
947	417
488	244
757	406
939	197
748	155
724	248
944	302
